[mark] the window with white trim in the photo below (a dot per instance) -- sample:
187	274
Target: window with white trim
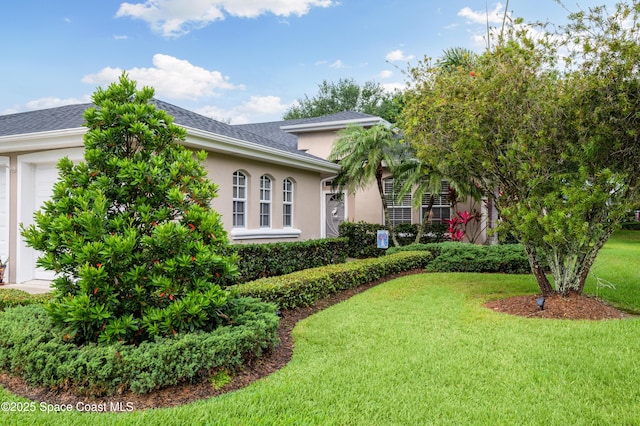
441	209
239	199
399	211
287	203
265	201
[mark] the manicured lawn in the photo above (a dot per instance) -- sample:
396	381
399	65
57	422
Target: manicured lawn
422	350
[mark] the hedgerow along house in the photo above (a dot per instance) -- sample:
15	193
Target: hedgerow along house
274	180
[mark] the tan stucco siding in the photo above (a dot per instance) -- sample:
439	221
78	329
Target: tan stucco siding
306	201
317	143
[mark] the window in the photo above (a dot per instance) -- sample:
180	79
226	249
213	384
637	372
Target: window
265	201
441	209
239	199
287	203
399	211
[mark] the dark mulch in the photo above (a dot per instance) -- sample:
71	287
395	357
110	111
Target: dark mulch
575	307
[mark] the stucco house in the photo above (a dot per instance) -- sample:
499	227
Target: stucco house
274	179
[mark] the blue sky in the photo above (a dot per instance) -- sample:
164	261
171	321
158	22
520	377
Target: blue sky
233	60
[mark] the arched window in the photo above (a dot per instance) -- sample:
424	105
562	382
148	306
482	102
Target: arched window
265	201
239	199
287	203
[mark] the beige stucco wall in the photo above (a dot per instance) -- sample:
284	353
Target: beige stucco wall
317	143
306	203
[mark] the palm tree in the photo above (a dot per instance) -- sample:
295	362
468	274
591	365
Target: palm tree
413	177
363	153
455	58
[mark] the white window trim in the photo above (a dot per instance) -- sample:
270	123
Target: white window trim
238	199
268	202
264	233
288	203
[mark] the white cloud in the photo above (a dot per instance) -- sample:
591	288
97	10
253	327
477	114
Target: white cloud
170	77
174	18
385	74
338	64
120	37
256	109
393	87
398	55
494	16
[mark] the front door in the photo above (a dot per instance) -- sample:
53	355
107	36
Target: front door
334	214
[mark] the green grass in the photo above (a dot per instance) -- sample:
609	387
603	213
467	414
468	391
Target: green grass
422	350
618	263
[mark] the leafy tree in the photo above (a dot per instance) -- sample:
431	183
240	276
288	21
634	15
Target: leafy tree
555	141
363	153
347	95
137	249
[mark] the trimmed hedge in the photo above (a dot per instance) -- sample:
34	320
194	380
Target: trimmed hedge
304	288
631	226
362	236
267	260
33	349
461	257
13	297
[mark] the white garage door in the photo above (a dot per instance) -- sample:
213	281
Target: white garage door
45	176
37	173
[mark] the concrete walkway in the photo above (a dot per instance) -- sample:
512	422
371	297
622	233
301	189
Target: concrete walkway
33	287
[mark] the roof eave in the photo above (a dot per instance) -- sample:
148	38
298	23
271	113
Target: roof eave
332	125
53	139
208	141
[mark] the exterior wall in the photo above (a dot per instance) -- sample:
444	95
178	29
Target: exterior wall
317	143
306	199
17	167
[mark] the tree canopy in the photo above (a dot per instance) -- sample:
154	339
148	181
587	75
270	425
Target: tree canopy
347	95
548	126
137	249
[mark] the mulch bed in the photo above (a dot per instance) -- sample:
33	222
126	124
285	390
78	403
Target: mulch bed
574	307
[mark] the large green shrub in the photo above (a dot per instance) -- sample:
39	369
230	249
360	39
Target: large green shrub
267	260
138	251
31	347
460	257
304	288
362	239
362	236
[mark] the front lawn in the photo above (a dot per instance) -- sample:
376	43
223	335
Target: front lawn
423	350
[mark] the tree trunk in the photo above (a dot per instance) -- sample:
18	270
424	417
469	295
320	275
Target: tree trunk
538	270
385	208
424	220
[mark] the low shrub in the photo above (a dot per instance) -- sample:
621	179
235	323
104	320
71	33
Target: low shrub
631	226
460	257
362	239
362	236
267	260
31	347
432	233
13	297
304	288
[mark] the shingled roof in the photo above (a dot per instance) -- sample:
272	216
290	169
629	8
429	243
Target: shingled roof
273	129
269	134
